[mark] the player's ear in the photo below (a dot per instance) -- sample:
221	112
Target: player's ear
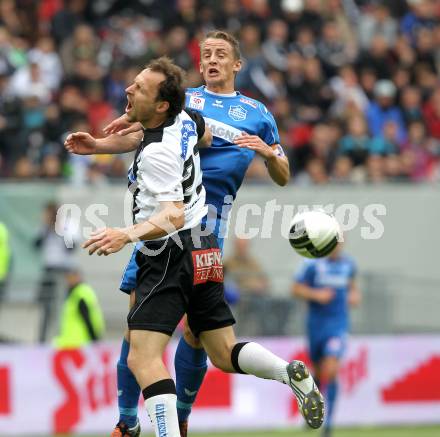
237	66
200	68
162	106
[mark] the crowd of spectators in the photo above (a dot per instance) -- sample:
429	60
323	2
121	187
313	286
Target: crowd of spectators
353	84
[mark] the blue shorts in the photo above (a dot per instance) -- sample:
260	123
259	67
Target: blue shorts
128	281
330	345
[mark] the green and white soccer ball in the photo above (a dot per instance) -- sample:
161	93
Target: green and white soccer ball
314	234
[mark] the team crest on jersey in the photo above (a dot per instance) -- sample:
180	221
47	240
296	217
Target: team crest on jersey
248	102
237	113
196	102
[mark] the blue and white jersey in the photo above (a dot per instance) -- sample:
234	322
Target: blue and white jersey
336	274
224	164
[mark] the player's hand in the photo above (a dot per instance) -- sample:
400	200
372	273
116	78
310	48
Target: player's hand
106	241
80	143
121	126
324	296
254	142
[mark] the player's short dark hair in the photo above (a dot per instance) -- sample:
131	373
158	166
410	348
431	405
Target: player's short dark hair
171	89
226	36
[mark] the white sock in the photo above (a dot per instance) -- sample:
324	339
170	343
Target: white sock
257	360
163	415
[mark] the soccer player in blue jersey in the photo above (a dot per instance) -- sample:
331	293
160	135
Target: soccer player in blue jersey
329	286
241	128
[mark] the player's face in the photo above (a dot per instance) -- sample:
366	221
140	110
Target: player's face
218	64
142	97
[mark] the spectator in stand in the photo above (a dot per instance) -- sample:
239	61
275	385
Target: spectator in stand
421	151
357	144
411	104
377	21
245	269
422	15
383	109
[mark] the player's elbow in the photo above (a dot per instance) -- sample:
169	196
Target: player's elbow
283	180
177	218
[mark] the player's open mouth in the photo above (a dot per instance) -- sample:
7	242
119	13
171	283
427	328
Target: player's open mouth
128	107
213	72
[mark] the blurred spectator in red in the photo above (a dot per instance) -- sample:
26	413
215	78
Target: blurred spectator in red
422	151
431	113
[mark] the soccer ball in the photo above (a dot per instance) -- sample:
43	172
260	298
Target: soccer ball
314	234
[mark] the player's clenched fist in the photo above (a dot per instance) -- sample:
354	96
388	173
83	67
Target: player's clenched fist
80	143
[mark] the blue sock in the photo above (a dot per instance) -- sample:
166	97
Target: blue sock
330	395
190	365
128	389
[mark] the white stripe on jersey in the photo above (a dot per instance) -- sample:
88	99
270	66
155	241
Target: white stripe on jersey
167	168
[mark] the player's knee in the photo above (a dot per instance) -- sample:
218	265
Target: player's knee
132	361
221	358
190	338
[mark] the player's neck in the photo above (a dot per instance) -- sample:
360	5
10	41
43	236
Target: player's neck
227	88
154	122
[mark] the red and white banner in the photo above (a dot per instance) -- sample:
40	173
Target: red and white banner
384	380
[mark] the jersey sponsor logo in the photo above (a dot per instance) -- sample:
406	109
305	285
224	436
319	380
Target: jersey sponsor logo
222	130
218	103
248	102
208	266
194	93
237	113
196	102
188	130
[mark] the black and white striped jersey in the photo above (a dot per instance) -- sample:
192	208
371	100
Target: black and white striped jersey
166	167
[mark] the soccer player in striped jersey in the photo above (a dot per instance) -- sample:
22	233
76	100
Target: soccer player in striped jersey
242	127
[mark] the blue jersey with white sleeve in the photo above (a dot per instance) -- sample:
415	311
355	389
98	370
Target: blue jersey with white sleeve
224	164
337	274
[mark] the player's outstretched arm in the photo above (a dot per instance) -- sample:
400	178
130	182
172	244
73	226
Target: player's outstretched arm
354	294
319	295
169	219
82	143
278	166
277	163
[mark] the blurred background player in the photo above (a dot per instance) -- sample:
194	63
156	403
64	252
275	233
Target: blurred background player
329	287
242	127
57	251
5	259
82	320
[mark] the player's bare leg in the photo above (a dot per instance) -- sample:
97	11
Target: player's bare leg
327	373
252	358
158	389
190	362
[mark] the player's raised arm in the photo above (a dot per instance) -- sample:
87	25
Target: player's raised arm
82	143
276	161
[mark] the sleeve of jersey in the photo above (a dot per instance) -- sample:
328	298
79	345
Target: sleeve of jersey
268	130
305	274
199	120
161	173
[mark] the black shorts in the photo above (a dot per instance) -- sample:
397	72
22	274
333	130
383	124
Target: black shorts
178	280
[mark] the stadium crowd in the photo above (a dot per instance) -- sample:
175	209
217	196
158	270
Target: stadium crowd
353	84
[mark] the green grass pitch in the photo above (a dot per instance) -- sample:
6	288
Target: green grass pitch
423	431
